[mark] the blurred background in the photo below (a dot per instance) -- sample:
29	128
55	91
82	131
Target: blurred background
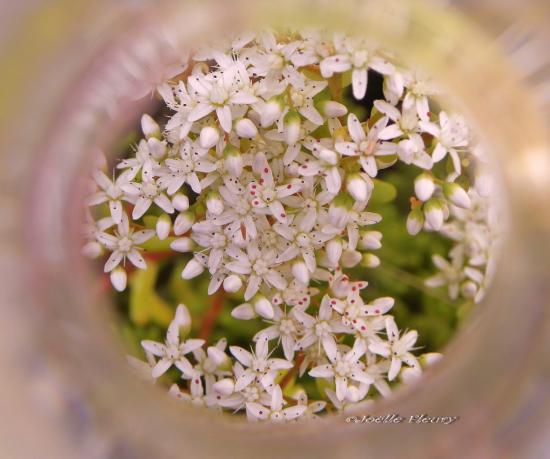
69	73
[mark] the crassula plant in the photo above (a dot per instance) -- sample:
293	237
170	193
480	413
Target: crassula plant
262	177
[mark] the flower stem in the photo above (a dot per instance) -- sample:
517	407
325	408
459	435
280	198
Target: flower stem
209	319
292	372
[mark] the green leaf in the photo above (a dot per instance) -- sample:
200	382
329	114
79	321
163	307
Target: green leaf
156	245
145	304
383	192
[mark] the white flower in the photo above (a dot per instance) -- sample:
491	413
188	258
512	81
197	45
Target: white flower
146	159
405	121
275	412
354	309
312	408
258	266
196	395
302	92
145	194
397	348
124	244
451	134
413	151
304	241
184	170
210	364
319	330
354	56
366	145
354	400
344	368
451	274
111	192
286	327
265	195
218	92
258	366
173	352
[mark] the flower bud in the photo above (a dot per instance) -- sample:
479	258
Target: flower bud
332	109
164	224
244	311
424	186
270	112
350	258
353	394
263	307
483	184
292	127
183	320
369	260
410	375
370	240
357	187
182	316
150	127
429	358
217	356
209	137
180	202
415	221
157	148
232	283
214	203
183	223
183	244
334	251
233	160
456	194
339	209
328	156
119	279
433	211
192	269
92	249
468	289
300	272
246	129
224	386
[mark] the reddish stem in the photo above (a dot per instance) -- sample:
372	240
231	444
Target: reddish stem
292	372
214	311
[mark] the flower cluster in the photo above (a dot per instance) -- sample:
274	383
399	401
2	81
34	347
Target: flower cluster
264	174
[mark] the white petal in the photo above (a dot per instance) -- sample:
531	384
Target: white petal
322	371
242	355
142	205
113	261
137	260
225	117
359	79
161	367
355	129
257	411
